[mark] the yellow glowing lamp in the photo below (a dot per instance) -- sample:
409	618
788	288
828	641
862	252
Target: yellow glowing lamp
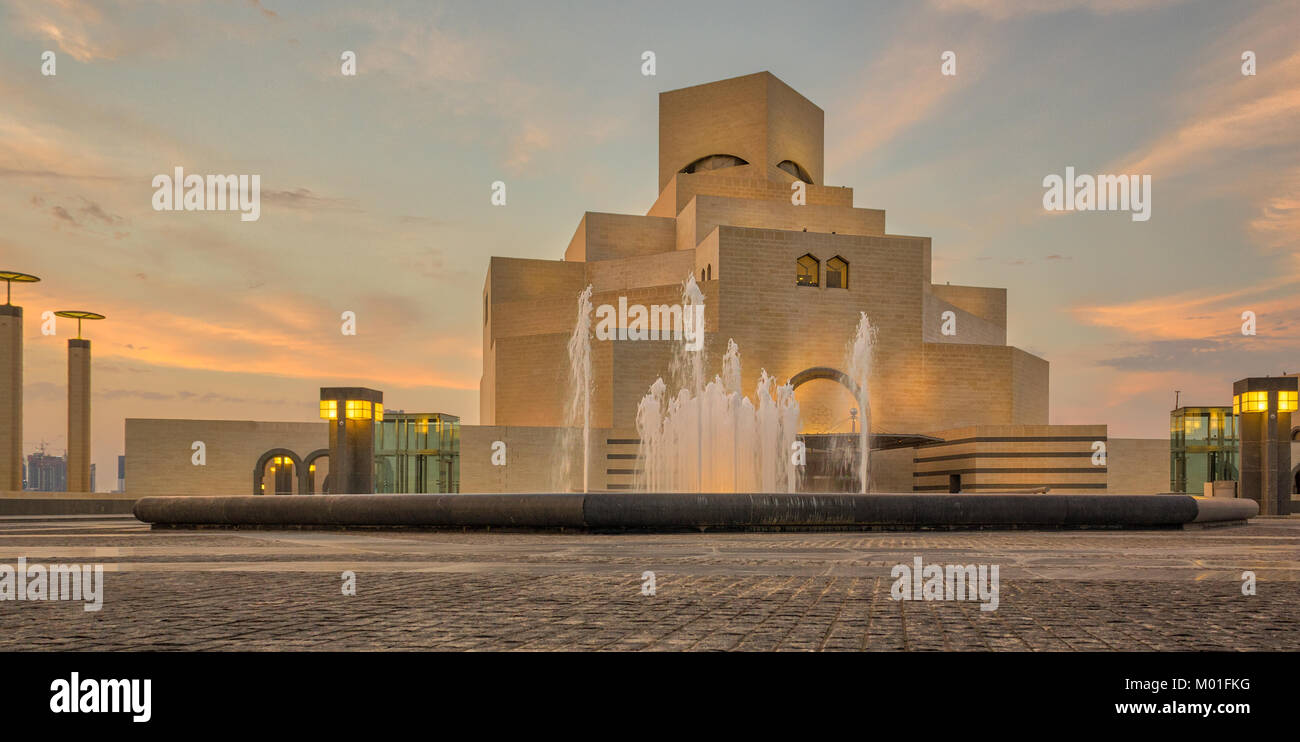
358	409
1287	401
1236	404
311	467
329	409
1254	402
379	412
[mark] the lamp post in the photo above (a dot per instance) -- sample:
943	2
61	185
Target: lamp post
78	403
11	384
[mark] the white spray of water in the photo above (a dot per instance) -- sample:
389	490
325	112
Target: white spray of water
858	361
709	437
578	412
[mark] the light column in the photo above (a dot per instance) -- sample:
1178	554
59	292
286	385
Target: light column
11	385
78	458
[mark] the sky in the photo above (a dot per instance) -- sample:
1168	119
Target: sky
376	187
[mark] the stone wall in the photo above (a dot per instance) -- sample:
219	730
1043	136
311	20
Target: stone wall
1137	466
159	452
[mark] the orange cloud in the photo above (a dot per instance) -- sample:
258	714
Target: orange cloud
1195	314
1002	9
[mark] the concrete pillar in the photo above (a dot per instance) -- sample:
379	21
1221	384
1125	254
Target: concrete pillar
78	415
284	477
11	397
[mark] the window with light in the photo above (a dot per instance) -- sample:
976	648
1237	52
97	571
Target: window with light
806	271
837	273
1252	402
1287	401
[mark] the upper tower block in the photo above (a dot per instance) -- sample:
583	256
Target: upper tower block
755	122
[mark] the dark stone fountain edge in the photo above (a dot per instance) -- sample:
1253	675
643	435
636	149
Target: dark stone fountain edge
666	512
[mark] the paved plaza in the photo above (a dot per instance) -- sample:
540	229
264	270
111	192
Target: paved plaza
424	590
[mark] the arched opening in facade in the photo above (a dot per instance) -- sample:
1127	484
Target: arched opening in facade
828	426
277	473
714	162
795	169
315	473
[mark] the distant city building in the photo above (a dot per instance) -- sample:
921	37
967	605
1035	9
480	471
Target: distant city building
46	473
121	474
92	478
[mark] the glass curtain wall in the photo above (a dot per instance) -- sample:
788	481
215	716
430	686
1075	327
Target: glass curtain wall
417	453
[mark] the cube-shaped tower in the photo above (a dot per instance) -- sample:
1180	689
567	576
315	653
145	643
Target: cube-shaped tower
1265	406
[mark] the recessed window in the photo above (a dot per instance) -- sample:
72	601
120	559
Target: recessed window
806	271
709	269
795	169
837	273
714	162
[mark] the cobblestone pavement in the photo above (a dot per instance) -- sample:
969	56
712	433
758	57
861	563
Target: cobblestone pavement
281	590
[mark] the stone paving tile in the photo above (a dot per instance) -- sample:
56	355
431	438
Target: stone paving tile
1165	590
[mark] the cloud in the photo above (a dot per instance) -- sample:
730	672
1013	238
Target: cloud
78	216
120	29
1003	9
900	88
422	51
304	198
268	13
6	172
525	145
1277	225
207	397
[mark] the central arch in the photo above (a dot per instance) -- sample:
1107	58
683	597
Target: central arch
825	372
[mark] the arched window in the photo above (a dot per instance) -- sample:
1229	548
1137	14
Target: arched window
837	273
714	162
710	271
795	169
807	270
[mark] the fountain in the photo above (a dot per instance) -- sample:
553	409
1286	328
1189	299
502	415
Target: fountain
578	410
858	361
708	437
